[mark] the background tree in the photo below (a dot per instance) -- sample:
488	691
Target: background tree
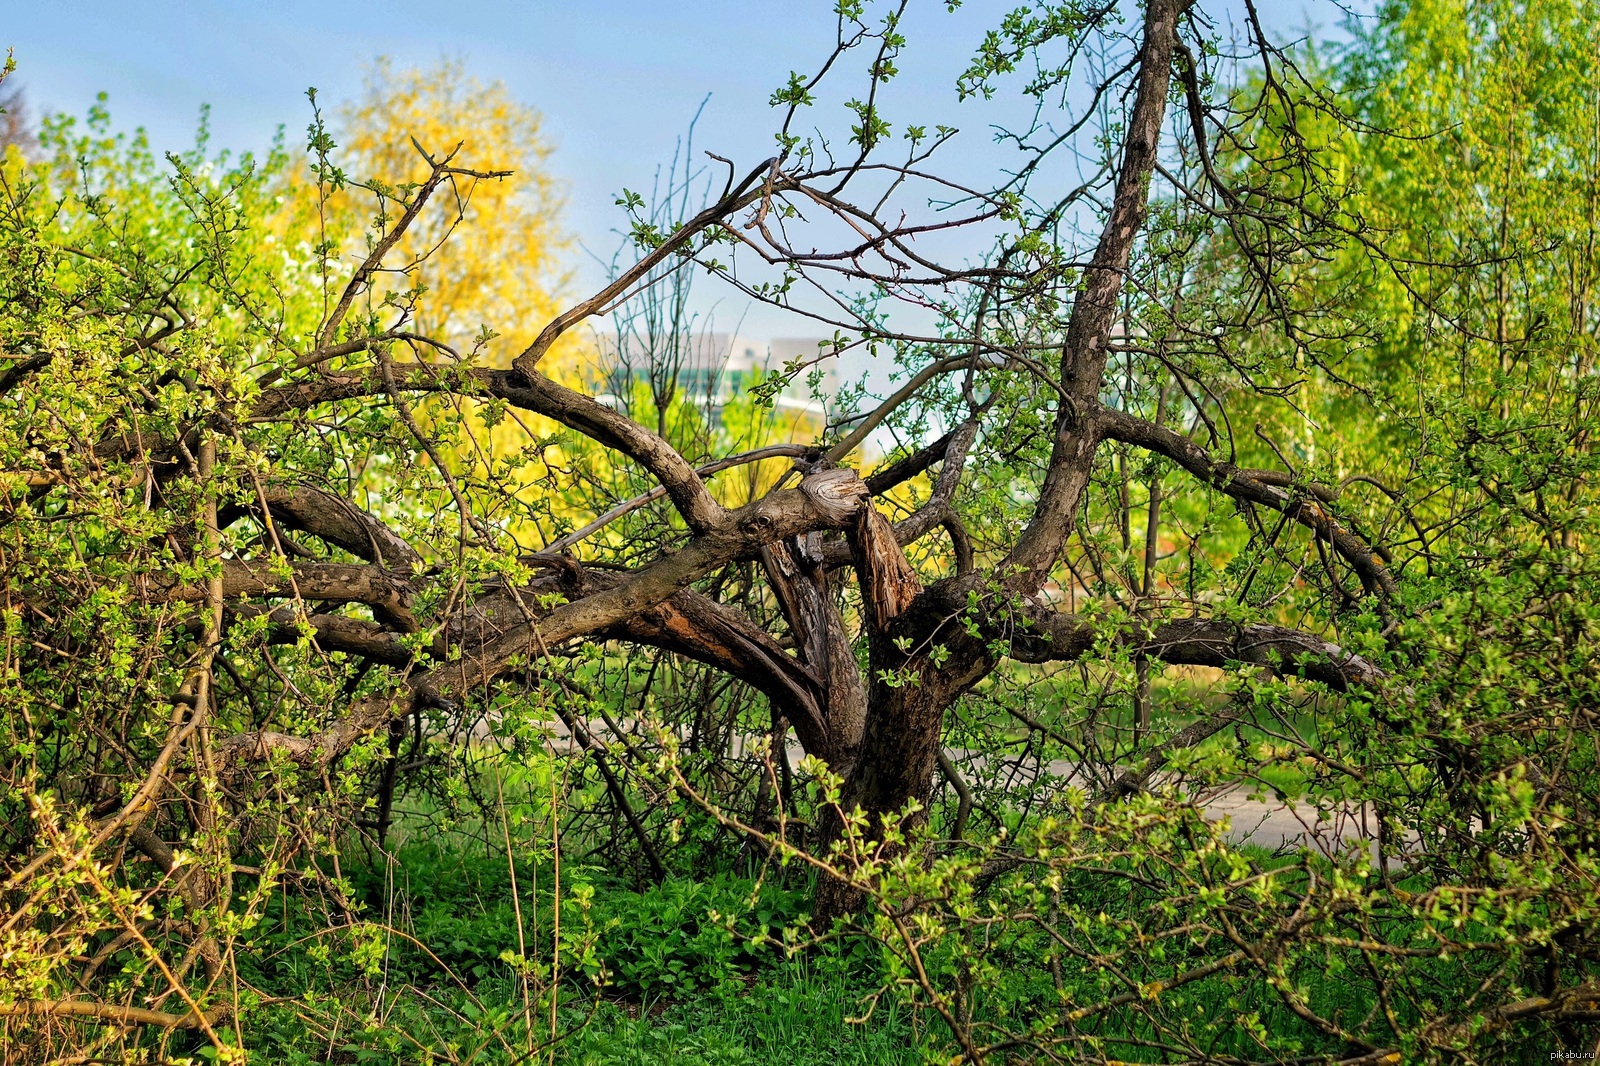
495	263
15	124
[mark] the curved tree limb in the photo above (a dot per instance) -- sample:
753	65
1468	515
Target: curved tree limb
532	391
339	522
771	451
1242	485
829	499
900	471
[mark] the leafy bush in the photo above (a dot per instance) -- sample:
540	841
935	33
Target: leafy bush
451	912
682	935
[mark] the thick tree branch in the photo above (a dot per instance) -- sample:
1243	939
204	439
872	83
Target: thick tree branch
701	629
337	521
1095	309
771	451
900	471
1033	632
938	511
1242	485
1200	642
533	391
829	499
334	632
328	582
799	578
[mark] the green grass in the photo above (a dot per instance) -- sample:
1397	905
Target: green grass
675	973
426	979
795	1016
681	989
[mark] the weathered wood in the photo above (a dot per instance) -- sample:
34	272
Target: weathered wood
905	715
836	494
794	569
888	583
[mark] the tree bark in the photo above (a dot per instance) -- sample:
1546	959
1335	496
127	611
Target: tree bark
904	713
907	694
796	571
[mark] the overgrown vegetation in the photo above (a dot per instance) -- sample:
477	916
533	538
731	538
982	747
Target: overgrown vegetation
374	692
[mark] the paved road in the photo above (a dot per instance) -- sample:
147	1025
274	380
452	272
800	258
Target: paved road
1271	825
1274	826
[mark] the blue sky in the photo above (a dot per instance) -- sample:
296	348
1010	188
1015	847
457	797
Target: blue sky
617	82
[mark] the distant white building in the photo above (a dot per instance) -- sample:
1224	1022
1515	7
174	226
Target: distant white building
713	368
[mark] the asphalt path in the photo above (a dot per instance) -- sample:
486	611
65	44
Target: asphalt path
1276	826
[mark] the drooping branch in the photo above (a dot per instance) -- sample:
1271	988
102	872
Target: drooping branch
532	391
756	455
1203	642
687	624
337	521
706	631
829	499
1241	485
1030	631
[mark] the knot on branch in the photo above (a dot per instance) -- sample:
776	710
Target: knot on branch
837	494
